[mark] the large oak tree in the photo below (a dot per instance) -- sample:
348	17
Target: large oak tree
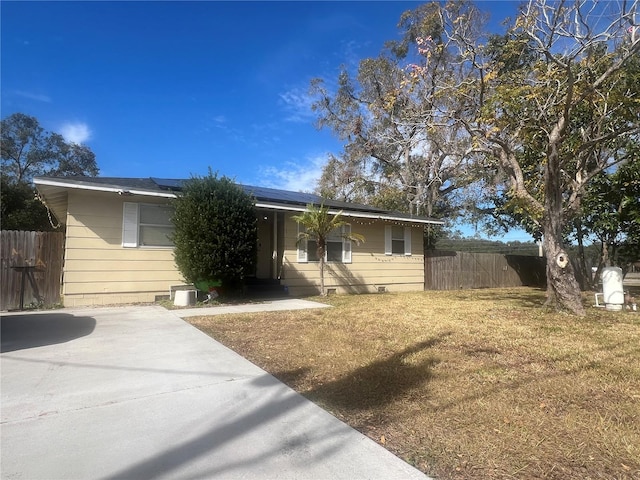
534	114
552	108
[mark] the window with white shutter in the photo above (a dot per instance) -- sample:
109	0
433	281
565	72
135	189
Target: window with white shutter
302	247
146	225
338	247
130	225
397	240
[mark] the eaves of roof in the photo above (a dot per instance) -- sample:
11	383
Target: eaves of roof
267	198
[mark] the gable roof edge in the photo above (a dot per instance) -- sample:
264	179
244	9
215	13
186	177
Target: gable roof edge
102	188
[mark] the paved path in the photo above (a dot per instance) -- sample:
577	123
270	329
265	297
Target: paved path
267	306
137	393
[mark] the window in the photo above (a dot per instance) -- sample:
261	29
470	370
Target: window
397	240
146	225
338	247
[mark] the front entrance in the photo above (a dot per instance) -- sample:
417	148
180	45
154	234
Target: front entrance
270	244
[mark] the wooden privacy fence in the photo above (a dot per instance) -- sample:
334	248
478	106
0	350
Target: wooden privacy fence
447	270
31	265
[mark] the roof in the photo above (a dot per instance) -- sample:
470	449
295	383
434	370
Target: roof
53	191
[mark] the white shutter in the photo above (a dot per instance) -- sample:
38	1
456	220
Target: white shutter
130	224
302	248
388	245
407	241
346	244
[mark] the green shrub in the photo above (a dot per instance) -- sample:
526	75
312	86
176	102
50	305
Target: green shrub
215	234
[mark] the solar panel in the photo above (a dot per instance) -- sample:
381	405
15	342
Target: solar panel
168	183
272	194
276	195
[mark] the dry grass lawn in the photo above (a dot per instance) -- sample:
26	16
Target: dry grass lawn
472	384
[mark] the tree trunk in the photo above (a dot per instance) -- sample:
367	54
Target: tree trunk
563	290
321	252
605	254
585	275
601	265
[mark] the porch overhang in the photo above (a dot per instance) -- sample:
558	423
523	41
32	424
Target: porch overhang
355	214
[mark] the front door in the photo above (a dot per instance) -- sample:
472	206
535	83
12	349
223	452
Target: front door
265	245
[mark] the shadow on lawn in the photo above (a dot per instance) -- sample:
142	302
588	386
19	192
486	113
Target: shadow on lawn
374	385
525	298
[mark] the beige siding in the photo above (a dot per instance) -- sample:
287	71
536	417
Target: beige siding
98	270
369	271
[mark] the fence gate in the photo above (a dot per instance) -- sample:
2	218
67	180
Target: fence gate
31	268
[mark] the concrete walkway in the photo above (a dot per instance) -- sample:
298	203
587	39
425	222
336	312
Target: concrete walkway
137	393
266	306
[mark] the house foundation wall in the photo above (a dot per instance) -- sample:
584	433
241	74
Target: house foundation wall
104	299
309	290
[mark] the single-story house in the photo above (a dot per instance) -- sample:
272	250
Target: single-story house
118	250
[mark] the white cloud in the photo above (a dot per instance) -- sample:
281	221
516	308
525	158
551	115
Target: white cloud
297	102
295	176
33	96
75	132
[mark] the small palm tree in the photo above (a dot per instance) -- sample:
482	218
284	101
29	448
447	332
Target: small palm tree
319	223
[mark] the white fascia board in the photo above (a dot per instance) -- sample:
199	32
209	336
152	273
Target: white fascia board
269	205
382	216
346	213
102	188
279	206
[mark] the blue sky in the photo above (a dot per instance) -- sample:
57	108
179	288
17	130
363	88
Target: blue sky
169	89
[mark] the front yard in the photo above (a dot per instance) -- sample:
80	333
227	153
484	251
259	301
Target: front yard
469	384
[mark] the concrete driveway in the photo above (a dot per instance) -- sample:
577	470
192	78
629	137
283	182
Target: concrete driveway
137	393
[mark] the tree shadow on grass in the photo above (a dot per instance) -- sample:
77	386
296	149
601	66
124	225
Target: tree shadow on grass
525	297
374	385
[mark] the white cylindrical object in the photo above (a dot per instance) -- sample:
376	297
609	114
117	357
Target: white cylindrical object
612	290
185	298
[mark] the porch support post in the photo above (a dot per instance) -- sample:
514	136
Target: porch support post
274	254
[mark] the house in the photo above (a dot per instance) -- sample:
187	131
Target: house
118	251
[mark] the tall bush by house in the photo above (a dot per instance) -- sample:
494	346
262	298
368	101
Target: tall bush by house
215	234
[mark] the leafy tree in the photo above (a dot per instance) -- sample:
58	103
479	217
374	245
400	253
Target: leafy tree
216	232
611	211
340	181
534	114
554	126
546	107
318	223
28	150
386	116
21	209
478	245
